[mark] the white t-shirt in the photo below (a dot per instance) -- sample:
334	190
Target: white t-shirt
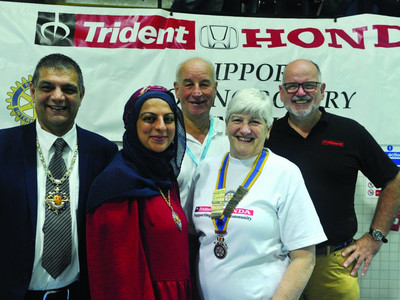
275	217
219	144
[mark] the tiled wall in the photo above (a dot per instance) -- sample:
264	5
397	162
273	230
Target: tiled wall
382	281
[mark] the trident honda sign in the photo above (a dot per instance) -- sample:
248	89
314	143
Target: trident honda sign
120	50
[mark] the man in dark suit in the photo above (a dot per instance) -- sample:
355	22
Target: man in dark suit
57	90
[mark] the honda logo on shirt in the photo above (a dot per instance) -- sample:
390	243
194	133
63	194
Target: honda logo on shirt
219	37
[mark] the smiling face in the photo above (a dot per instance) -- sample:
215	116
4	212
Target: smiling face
57	99
302	104
246	134
196	88
156	125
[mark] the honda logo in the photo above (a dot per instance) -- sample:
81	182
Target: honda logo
219	37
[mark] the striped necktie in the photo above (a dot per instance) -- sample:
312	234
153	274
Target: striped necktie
57	226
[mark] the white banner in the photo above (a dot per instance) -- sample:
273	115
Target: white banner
121	50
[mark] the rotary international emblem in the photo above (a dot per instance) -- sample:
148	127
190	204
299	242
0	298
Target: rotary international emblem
21	104
228	197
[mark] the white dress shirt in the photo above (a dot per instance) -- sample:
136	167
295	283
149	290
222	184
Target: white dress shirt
41	280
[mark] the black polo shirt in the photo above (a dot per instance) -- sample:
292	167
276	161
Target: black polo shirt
329	159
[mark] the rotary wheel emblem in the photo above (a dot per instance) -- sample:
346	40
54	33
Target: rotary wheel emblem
228	196
21	104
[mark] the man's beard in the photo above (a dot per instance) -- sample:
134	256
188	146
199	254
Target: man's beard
304	114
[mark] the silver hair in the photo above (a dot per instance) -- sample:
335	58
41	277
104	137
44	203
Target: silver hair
207	62
253	102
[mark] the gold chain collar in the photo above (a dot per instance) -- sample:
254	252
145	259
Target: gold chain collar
48	172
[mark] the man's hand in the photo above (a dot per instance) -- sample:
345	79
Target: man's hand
362	251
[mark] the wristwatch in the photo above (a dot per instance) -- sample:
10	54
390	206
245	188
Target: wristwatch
377	235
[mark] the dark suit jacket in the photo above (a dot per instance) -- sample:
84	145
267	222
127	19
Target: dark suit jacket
18	202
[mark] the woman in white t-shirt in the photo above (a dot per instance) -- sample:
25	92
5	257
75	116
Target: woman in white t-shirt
255	222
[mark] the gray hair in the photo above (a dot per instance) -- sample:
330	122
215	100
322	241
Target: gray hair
60	62
206	62
250	101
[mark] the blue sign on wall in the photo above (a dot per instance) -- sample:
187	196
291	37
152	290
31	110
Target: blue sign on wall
393	153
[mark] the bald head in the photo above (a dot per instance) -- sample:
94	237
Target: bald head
197	63
300	67
196	89
301	90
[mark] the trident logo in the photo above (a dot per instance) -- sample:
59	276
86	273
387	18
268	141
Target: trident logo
55	24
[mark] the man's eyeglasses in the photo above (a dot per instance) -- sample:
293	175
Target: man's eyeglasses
293	87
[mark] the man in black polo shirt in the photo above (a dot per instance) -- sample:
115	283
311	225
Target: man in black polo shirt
330	150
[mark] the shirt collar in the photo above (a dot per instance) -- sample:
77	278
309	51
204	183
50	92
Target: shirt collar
47	139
